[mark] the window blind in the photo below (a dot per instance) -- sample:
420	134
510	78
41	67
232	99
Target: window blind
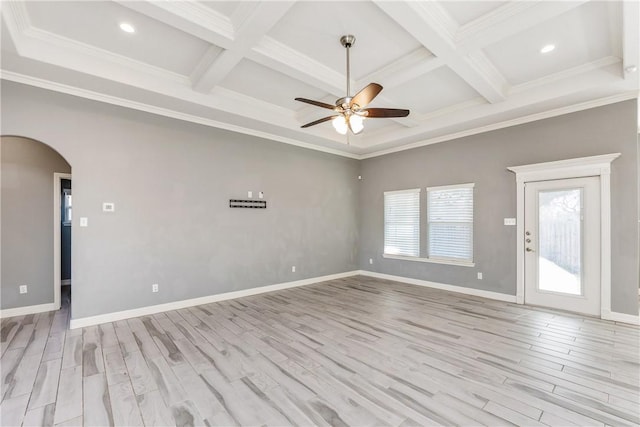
450	222
402	222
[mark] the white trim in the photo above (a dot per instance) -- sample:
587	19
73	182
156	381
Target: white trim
411	190
121	102
508	123
57	189
621	317
176	305
562	169
451	187
30	309
451	288
431	260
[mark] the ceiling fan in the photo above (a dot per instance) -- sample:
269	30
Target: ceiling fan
351	109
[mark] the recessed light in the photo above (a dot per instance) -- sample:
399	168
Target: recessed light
127	28
547	48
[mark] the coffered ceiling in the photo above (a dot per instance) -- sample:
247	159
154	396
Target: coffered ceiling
461	67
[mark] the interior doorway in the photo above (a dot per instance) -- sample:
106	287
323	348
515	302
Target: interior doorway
562	244
62	224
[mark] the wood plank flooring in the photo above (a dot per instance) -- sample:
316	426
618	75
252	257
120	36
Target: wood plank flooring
356	351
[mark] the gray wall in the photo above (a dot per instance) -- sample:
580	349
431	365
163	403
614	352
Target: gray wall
171	183
27	169
483	159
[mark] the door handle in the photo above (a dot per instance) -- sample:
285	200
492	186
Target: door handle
528	240
529	250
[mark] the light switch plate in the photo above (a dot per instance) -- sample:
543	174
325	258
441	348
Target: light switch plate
84	221
108	207
249	194
509	221
260	195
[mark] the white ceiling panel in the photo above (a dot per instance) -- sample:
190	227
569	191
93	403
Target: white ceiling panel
315	28
457	65
580	36
257	81
432	91
96	23
464	12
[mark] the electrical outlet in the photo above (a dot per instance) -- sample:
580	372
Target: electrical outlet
479	276
154	287
23	289
293	269
370	260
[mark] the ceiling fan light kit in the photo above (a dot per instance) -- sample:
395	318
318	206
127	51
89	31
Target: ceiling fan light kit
351	109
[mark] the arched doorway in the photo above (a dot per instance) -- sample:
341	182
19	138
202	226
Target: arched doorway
35	226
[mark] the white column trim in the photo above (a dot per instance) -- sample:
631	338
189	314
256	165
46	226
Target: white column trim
571	168
57	189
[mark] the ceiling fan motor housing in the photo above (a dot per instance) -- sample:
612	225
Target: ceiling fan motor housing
348	40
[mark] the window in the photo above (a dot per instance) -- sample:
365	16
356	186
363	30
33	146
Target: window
450	222
402	222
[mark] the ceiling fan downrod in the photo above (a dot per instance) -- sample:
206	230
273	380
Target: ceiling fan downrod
348	41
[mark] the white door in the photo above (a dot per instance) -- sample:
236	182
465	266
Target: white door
562	244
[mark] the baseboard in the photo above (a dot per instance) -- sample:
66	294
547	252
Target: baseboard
452	288
176	305
23	311
620	317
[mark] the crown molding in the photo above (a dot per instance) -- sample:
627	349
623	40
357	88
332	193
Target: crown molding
121	102
565	74
83	93
509	123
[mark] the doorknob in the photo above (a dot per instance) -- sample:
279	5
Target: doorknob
527	233
528	240
530	250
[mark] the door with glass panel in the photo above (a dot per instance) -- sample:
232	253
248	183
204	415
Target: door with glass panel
562	244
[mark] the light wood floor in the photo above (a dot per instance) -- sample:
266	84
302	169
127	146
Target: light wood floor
356	351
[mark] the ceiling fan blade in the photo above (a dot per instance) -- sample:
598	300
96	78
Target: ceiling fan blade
317	103
317	122
366	95
385	112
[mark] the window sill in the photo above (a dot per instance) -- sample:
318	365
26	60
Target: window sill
431	260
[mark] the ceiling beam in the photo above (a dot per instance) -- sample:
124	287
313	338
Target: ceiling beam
631	39
255	25
428	23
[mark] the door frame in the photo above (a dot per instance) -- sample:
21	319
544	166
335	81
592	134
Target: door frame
599	166
57	236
